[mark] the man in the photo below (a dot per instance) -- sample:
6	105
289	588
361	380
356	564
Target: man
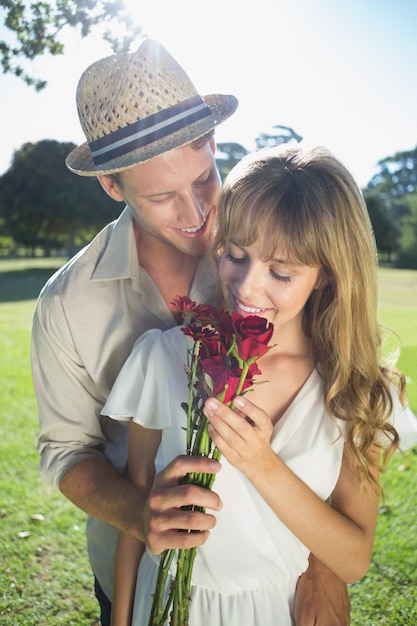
150	143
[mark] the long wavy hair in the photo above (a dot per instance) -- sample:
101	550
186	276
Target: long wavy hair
305	203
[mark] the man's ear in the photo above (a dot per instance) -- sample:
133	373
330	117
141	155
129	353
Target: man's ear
213	144
111	188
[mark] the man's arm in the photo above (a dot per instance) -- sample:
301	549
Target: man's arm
71	442
97	488
321	598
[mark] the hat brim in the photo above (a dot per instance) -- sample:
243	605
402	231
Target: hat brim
81	162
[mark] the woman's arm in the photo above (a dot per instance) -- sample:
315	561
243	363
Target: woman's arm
341	535
143	445
129	551
161	515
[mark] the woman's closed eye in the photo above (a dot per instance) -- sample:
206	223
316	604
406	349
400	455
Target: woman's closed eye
285	278
235	259
282	277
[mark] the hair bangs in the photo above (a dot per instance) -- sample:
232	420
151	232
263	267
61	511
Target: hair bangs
275	214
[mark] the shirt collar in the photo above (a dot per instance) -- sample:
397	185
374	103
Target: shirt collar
120	260
116	260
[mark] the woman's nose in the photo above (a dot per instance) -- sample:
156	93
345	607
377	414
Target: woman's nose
249	280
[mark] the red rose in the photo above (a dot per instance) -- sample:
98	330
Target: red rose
219	379
212	344
252	371
225	327
253	335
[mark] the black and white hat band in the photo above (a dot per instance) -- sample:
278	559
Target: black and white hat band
145	131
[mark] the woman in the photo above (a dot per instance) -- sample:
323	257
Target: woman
294	245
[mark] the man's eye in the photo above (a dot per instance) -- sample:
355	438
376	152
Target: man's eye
204	181
160	199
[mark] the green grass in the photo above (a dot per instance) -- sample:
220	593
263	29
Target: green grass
44	575
45	578
388	593
398	310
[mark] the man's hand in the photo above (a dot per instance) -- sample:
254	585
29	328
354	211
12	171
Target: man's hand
169	515
321	598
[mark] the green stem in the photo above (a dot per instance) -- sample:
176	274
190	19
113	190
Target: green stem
157	611
198	443
191	378
191	557
245	369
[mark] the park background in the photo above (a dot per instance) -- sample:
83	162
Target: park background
333	72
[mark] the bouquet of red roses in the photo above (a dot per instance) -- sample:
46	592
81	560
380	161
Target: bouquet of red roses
221	362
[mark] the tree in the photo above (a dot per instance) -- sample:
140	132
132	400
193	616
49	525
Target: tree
407	256
227	155
386	230
397	175
34	28
395	184
44	205
278	135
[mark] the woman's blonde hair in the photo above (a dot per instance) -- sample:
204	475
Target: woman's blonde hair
306	204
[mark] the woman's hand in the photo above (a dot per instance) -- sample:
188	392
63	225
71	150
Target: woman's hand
242	435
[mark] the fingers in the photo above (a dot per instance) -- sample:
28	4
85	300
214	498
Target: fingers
228	429
173	539
254	416
174	516
174	473
182	496
177	527
242	435
238	424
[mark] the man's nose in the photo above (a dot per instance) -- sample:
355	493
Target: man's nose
192	209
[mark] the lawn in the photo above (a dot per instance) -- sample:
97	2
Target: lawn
44	576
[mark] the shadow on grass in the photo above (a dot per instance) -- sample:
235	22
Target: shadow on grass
23	284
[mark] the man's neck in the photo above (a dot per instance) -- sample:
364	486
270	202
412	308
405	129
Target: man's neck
171	270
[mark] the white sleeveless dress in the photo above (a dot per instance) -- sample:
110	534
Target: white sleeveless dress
246	573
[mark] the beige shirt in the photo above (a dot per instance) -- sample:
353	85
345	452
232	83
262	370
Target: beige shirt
86	321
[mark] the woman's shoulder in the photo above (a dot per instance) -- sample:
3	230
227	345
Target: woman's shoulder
157	357
157	339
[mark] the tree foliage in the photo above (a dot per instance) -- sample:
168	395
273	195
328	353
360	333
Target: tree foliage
407	256
227	155
276	136
386	228
397	175
34	28
391	196
43	204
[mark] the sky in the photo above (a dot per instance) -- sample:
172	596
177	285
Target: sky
341	73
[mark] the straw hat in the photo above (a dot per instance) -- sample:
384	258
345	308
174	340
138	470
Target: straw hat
136	106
